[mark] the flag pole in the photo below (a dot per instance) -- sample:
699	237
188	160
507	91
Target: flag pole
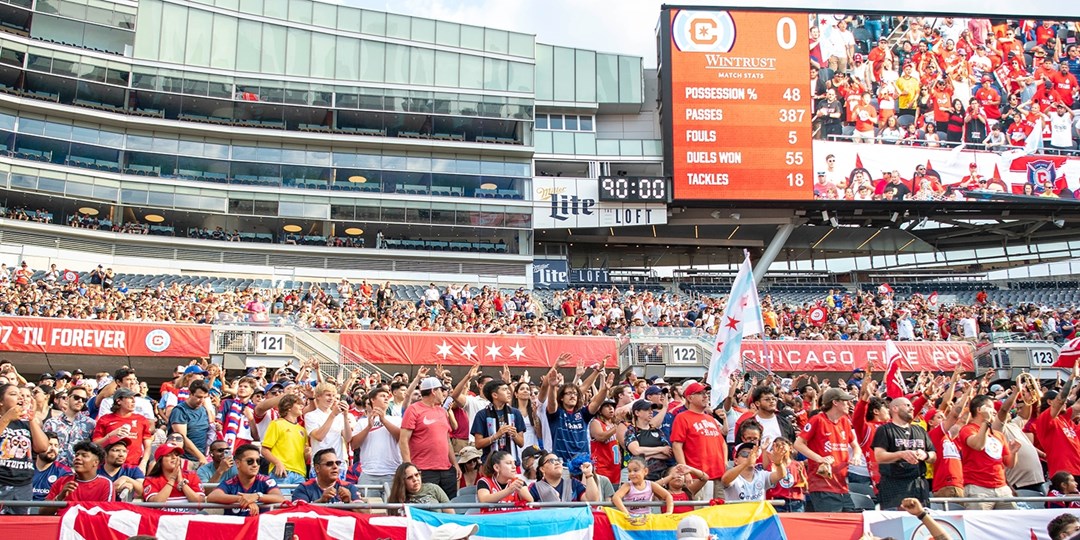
764	343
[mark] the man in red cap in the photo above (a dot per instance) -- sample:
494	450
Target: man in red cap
697	438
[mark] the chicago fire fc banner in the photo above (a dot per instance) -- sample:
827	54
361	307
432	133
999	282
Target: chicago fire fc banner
848	355
102	338
467	349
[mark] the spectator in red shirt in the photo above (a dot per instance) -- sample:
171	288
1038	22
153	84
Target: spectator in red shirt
84	484
989	100
1065	83
985	455
866	117
697	438
1057	433
124	422
425	438
829	442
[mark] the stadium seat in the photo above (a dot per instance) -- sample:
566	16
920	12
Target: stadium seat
863	502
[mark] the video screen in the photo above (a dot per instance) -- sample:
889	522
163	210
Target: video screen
775	105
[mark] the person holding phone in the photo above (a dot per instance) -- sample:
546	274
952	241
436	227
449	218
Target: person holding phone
221	466
329	425
326	487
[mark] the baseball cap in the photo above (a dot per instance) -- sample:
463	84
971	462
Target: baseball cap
986	78
454	531
644	405
692	528
996	388
266	389
114	440
165	450
430	383
744	445
77	372
858	57
833	394
694	388
530	451
46	376
195	369
61	375
858	370
652	390
122	393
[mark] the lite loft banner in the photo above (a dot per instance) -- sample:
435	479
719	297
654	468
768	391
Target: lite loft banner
468	349
848	355
102	338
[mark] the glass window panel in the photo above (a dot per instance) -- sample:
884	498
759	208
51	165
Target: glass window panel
629	79
140	142
519	169
223	53
397	63
199	37
447	33
555	121
244	153
607	78
522	45
251	6
446	69
423	30
394	162
520	77
216	150
585	123
541	121
585	79
372	61
562	142
472	37
348	19
278	9
564	74
173	33
585	144
190	148
79	189
545	72
496	41
58	130
274	42
422	66
472	71
322	55
570	122
298	52
133	196
84	134
398	26
54	185
374	23
147	39
324	15
347	59
248	45
165	145
300	11
495	72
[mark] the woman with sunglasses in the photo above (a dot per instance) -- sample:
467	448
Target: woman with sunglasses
248	489
551	486
167	480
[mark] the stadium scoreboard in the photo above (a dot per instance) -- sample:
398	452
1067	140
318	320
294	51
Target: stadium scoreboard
738	104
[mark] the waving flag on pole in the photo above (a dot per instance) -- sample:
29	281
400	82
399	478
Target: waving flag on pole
894	380
1070	353
742	317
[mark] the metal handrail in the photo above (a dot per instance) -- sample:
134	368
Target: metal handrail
393	506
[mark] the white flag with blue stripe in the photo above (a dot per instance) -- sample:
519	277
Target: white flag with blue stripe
562	524
742	317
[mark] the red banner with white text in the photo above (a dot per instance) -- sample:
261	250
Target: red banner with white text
848	355
102	338
468	349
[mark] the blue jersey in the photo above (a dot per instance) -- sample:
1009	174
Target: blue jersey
43	480
262	484
569	432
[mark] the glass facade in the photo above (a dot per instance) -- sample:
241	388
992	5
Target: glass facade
571	75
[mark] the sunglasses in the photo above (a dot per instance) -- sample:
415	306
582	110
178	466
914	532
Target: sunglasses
78	398
555	461
250	461
332	463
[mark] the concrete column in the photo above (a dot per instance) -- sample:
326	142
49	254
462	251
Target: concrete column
773	249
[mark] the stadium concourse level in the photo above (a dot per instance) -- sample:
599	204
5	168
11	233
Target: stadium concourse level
1039	312
817	445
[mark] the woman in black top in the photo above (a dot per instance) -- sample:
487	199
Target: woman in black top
954	128
20	432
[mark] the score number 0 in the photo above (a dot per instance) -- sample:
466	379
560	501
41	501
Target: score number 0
787	38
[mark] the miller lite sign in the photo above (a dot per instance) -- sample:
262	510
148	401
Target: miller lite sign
572	203
550	273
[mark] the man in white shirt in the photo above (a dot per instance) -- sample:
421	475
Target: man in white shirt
431	295
327	427
376	440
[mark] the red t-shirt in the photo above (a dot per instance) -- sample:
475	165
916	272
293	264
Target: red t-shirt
829	438
1059	440
792	485
153	485
942	99
679	496
141	429
703	442
990	101
865	118
97	489
984	468
430	442
949	469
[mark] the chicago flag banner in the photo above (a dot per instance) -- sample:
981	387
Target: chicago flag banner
561	524
742	317
118	521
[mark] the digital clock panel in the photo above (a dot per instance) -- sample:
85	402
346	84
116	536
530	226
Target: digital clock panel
633	189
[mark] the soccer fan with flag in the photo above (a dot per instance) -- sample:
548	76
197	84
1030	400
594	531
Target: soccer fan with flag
742	317
895	386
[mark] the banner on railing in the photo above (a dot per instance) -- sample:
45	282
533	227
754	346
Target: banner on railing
102	338
743	521
966	525
848	355
467	349
544	524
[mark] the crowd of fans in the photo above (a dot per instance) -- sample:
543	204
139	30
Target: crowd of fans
461	308
262	437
